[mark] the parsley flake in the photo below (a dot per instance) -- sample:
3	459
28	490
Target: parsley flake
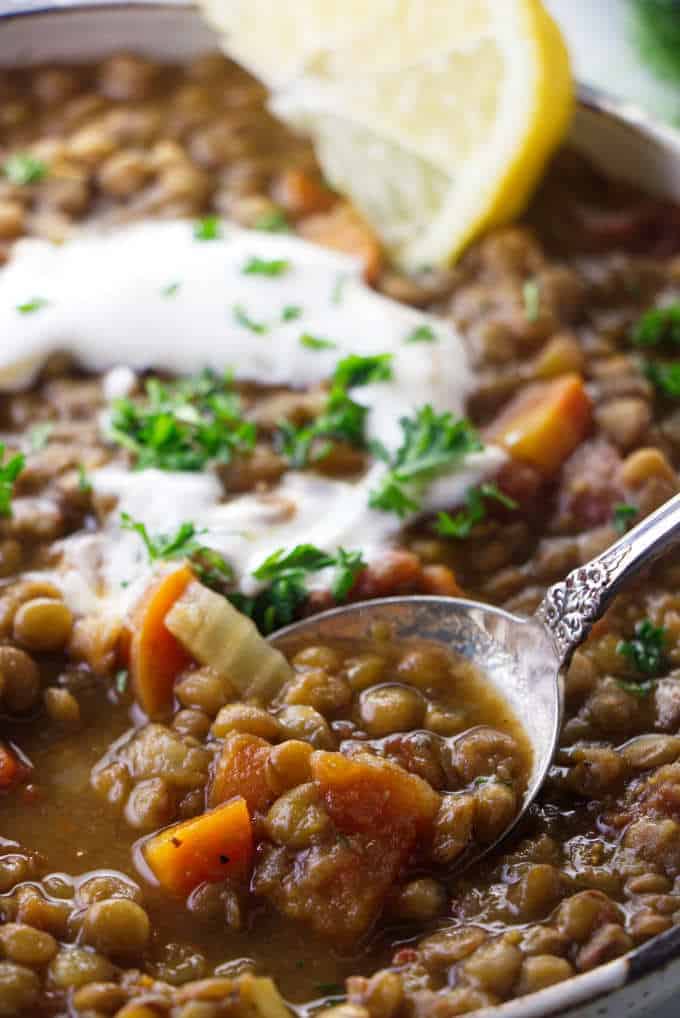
531	295
34	304
171	290
623	517
261	267
273	222
291	313
658	326
647	650
355	370
422	334
241	317
211	567
84	482
9	471
433	445
23	168
208	228
182	426
460	525
121	681
665	376
315	343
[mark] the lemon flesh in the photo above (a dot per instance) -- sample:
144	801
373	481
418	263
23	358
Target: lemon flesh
436	119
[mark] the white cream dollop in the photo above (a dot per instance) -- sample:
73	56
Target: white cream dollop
152	296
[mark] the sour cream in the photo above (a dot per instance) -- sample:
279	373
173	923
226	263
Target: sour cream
152	296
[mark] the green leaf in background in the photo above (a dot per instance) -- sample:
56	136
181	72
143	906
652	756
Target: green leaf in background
657	36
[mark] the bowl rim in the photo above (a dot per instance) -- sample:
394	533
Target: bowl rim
659	953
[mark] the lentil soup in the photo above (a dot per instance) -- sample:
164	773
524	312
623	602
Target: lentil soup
193	824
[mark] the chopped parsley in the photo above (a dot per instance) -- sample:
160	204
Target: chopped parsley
260	267
34	304
338	291
241	317
121	681
84	482
208	228
623	517
171	290
23	168
291	313
9	471
315	343
39	436
355	370
658	326
183	425
342	420
286	572
531	295
646	652
460	525
210	566
273	222
422	334
639	689
665	376
433	444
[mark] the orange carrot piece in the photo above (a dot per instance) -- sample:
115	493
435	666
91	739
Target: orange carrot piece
241	770
210	847
367	794
342	229
301	194
545	423
11	768
156	657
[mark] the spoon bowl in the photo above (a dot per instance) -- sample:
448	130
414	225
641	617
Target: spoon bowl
523	658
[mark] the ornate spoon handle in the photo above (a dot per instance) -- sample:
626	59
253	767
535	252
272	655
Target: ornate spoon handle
570	608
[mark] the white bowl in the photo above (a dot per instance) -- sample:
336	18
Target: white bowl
617	137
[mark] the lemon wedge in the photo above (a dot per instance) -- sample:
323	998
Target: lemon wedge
436	119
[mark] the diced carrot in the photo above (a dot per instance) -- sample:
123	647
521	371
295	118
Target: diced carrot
440	580
210	847
367	794
241	770
11	768
342	229
545	423
156	657
301	194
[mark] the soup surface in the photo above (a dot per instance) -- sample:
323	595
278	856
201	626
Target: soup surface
194	826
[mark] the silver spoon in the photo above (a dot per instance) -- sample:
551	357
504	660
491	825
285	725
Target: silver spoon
525	658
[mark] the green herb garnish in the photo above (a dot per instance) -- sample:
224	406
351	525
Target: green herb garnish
355	370
291	313
210	566
121	681
34	304
184	425
208	228
343	420
422	334
665	376
433	445
23	168
39	436
639	689
531	295
242	317
460	525
273	222
9	471
315	343
647	650
658	326
171	290
657	33
286	573
260	267
84	483
623	517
